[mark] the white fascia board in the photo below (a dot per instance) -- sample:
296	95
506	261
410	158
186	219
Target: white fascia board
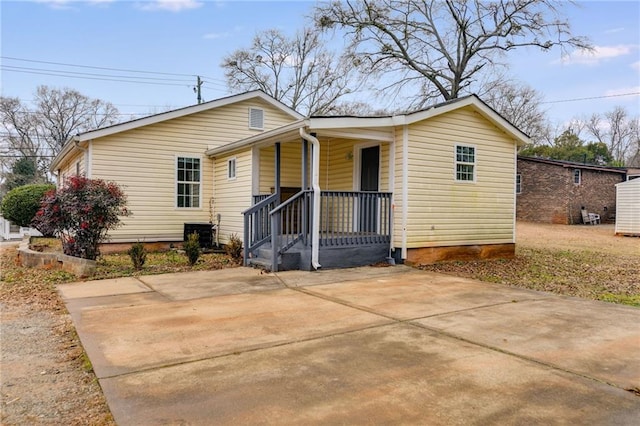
319	123
66	149
361	134
288	131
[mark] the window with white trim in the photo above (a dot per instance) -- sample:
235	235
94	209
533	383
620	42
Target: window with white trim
256	118
518	183
465	163
231	168
577	176
188	182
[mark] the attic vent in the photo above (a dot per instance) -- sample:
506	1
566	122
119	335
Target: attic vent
256	118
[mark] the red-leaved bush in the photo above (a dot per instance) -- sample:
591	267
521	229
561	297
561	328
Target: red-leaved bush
81	213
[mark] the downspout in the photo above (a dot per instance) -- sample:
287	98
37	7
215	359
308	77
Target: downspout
315	184
86	156
405	188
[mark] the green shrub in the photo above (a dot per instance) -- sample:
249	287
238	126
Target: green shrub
138	255
192	248
21	204
234	248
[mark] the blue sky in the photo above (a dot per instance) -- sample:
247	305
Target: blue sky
184	38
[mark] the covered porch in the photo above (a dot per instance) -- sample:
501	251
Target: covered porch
322	198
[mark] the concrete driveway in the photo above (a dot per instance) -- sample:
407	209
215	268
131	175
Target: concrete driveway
367	345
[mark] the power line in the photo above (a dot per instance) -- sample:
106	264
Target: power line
107	68
591	98
96	78
11	67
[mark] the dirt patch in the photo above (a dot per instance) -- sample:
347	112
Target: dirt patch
45	376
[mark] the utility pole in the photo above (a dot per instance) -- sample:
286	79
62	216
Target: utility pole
197	89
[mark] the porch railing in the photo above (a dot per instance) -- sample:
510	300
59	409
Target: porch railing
352	218
257	226
290	223
347	218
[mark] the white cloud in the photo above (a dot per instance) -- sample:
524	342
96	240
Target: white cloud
597	55
171	5
636	65
216	36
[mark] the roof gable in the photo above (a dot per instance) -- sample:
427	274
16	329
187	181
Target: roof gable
169	115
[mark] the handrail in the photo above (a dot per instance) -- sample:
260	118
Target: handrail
257	230
261	204
289	201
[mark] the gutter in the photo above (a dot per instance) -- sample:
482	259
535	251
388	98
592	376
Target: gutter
315	184
66	149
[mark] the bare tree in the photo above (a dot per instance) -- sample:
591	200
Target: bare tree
618	131
521	105
441	48
56	115
298	71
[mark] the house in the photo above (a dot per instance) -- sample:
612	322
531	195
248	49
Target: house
314	192
628	208
554	191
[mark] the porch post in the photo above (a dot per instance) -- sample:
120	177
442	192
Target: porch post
305	164
305	186
277	177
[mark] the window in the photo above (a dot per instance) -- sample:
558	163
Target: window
188	182
577	176
256	118
231	168
465	163
518	183
78	168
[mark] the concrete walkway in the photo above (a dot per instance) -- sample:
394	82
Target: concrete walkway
359	346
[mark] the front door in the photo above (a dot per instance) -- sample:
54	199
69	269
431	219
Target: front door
369	179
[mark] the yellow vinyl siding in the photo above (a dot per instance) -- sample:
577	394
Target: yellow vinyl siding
143	161
443	211
290	166
69	168
337	163
233	196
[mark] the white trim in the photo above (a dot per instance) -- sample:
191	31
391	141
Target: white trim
373	128
169	115
456	162
289	131
405	187
357	163
175	178
235	168
392	184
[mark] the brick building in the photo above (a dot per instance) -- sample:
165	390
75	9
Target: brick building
553	191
